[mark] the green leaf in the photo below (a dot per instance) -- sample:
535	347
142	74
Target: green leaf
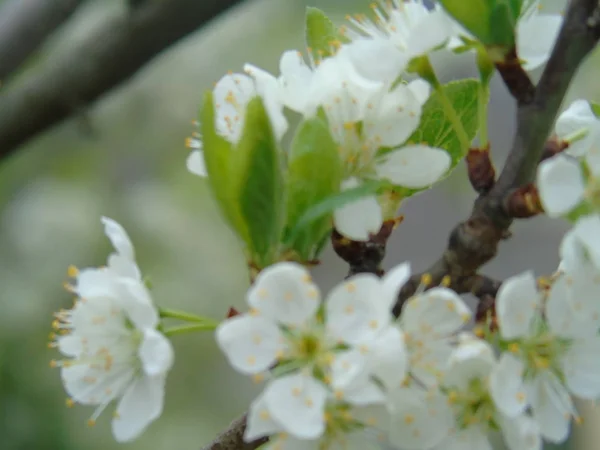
321	33
218	156
436	129
329	204
581	210
474	15
260	187
314	173
595	108
502	26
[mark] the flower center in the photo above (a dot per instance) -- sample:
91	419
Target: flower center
474	405
540	352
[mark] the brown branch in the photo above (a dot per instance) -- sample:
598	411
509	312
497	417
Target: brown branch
25	25
233	438
474	242
109	55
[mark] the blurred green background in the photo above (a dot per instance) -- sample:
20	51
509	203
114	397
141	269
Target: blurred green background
125	158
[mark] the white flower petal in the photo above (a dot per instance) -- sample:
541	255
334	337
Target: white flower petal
581	367
436	312
137	303
96	283
295	80
560	184
530	47
578	116
122	266
506	385
429	359
70	345
551	405
231	96
368	393
421	89
516	304
587	230
392	282
250	343
285	442
560	312
395	118
118	236
389	359
93	386
359	219
470	360
155	352
433	30
414	166
285	293
195	163
521	433
353	316
420	419
470	438
349	368
140	405
375	59
297	403
259	422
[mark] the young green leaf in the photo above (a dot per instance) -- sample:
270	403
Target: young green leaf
260	184
314	173
321	34
329	204
436	129
595	108
218	155
474	15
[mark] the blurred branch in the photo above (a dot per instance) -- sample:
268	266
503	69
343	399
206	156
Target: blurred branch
25	25
233	438
109	55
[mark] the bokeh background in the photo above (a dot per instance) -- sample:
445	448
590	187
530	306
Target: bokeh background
125	158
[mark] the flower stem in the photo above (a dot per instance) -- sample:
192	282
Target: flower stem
182	329
576	135
182	315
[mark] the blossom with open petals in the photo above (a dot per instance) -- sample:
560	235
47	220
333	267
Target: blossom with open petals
460	414
310	356
546	358
112	348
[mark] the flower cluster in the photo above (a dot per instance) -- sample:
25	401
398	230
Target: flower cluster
340	370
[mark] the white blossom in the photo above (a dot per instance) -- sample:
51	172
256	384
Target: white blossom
579	118
560	184
536	34
461	414
311	359
231	96
409	25
112	347
545	359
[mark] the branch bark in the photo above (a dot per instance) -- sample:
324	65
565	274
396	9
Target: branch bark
109	55
233	438
25	25
474	242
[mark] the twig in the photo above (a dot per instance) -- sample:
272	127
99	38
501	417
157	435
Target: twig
474	242
25	25
109	55
233	438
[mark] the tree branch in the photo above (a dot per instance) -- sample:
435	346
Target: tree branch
474	242
111	53
25	25
233	438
